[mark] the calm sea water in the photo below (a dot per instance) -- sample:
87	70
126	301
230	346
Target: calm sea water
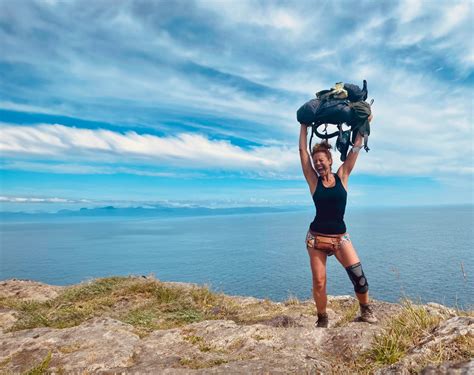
423	253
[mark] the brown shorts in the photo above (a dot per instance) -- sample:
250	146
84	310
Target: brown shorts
328	244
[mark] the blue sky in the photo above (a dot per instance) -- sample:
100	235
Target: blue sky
193	102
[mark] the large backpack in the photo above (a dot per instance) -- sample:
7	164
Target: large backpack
342	104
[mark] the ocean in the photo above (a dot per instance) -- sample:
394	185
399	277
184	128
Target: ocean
423	253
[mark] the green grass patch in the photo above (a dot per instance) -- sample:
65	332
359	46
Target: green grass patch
147	304
144	318
91	291
5	362
42	367
199	342
196	363
404	331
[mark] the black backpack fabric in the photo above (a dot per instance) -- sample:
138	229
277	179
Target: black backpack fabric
330	111
306	114
334	111
355	93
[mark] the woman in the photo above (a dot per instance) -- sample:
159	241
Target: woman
327	233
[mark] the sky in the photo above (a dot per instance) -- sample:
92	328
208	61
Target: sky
135	102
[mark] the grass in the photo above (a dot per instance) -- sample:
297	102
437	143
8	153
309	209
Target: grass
404	331
292	301
148	304
196	363
41	368
349	314
5	362
200	342
462	348
145	303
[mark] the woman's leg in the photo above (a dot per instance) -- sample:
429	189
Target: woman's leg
318	269
347	256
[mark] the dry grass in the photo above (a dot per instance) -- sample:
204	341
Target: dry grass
149	304
145	303
349	314
462	348
292	301
199	342
41	368
197	363
405	330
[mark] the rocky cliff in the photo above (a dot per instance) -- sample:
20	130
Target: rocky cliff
143	325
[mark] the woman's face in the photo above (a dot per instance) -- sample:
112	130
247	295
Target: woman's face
322	163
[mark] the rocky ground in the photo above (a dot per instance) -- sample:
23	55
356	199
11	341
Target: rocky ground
40	331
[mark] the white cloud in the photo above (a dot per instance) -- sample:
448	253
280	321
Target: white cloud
454	16
134	63
84	168
186	150
4	199
409	10
264	14
423	151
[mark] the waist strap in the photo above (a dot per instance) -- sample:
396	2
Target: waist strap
327	235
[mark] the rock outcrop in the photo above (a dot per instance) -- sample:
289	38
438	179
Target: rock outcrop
280	344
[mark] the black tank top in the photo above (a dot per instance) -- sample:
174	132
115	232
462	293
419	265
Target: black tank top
330	207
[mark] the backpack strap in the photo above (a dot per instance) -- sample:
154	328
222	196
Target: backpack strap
311	138
366	141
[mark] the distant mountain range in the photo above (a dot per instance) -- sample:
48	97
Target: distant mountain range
156	211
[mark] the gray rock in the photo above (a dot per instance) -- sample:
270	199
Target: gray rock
450	368
98	344
446	333
287	343
28	290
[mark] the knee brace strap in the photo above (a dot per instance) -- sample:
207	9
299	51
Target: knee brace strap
356	274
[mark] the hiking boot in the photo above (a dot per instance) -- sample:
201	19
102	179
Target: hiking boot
323	321
366	314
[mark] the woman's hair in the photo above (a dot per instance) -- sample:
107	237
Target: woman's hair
324	146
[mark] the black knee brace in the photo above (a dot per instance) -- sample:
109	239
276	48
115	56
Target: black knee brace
356	274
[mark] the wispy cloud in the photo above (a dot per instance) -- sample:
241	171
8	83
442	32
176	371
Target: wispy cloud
123	152
40	200
59	142
214	85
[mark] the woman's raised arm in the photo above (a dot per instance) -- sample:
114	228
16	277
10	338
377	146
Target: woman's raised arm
308	170
345	169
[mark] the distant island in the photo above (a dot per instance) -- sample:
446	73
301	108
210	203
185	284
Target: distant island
151	211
